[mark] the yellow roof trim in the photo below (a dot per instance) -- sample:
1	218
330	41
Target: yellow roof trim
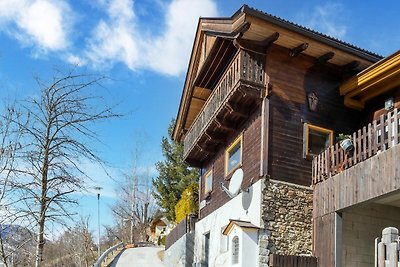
376	72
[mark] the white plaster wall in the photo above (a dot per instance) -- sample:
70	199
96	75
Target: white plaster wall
248	247
219	218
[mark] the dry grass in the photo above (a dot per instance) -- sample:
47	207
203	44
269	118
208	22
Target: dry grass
160	255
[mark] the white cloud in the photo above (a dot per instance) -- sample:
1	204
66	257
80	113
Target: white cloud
44	24
170	52
75	60
327	18
119	39
114	40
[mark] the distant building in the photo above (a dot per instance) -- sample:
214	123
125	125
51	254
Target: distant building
159	229
264	100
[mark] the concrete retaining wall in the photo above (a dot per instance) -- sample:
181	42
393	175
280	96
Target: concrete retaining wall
180	254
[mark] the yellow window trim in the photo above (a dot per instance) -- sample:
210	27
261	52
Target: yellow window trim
307	128
237	140
206	181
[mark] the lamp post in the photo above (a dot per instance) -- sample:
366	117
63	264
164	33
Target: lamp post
98	189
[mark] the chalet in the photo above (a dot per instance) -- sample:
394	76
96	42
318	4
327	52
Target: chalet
268	98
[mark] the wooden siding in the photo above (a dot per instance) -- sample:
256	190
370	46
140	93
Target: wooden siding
291	79
251	163
276	260
324	239
369	179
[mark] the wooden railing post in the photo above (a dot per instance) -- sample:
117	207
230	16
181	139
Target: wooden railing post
244	67
380	135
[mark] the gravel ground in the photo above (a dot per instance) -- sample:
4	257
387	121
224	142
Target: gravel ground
140	257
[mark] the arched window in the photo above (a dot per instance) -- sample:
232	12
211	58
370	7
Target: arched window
235	250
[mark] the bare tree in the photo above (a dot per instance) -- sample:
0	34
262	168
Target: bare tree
15	240
136	203
75	247
55	140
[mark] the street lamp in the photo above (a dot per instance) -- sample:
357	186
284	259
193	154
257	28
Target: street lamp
98	189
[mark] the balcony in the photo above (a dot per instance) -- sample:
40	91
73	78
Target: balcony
240	88
377	137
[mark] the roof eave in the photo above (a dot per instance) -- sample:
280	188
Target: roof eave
311	34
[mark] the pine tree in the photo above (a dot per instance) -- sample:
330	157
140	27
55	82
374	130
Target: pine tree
174	175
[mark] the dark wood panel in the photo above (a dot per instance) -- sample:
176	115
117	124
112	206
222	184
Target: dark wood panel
251	158
276	260
292	79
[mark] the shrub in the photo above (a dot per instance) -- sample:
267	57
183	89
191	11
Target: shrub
188	203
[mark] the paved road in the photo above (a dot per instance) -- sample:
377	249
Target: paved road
140	257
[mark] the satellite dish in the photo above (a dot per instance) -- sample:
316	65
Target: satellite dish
234	184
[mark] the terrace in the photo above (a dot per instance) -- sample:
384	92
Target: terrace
376	137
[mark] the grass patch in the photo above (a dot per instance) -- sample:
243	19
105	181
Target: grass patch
160	255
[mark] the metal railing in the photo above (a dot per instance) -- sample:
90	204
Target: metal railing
105	255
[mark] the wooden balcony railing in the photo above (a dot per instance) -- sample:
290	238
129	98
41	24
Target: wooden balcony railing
378	136
245	68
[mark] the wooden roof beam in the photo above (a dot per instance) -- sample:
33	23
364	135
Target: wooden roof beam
225	125
236	110
352	103
298	49
256	46
216	137
205	149
349	67
324	58
230	35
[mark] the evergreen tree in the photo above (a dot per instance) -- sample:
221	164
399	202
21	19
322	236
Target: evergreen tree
174	175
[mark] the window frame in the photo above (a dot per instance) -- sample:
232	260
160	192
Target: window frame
235	250
307	127
238	140
208	173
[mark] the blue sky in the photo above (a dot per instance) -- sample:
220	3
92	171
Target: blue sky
144	47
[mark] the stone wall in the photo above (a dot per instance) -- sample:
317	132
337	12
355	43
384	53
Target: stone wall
287	220
180	254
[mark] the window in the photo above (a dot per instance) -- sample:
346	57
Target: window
235	250
208	178
233	156
316	139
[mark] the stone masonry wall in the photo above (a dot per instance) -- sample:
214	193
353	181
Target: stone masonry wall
287	219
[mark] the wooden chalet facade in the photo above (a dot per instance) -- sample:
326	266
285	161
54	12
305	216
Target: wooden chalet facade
269	96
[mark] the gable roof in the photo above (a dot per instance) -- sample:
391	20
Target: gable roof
244	23
241	224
